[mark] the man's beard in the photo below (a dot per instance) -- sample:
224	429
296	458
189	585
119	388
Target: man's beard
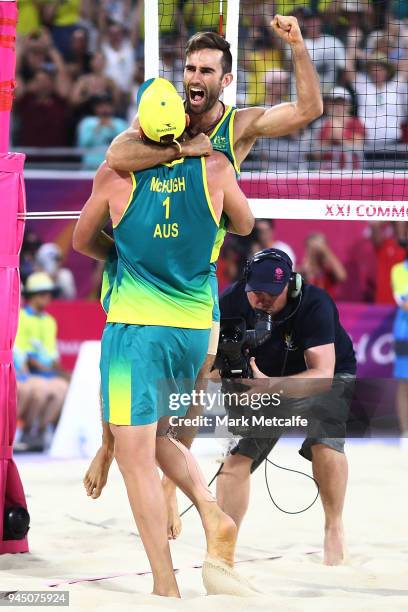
211	98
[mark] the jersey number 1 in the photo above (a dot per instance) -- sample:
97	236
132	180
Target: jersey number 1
166	203
166	230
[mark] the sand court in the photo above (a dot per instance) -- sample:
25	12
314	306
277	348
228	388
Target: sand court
91	547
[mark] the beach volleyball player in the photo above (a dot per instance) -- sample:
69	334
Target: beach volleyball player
231	131
159	310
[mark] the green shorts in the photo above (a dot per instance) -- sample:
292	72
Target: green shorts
143	367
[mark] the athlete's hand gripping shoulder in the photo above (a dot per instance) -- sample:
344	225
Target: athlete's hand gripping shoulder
199	146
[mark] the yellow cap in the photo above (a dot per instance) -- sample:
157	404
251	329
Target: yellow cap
160	110
39	282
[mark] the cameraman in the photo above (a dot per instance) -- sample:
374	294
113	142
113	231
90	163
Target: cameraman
307	341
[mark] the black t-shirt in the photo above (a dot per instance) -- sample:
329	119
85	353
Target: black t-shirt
315	322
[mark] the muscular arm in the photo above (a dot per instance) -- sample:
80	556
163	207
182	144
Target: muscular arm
128	152
226	195
317	378
240	218
320	362
89	239
283	119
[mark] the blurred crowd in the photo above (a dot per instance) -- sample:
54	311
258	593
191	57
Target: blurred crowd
41	382
80	63
361	274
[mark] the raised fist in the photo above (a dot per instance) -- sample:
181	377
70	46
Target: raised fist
287	28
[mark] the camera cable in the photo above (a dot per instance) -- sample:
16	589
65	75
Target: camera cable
280	467
267	460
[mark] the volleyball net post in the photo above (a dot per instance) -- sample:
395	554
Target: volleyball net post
12	207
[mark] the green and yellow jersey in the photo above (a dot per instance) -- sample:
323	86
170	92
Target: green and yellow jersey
222	140
164	242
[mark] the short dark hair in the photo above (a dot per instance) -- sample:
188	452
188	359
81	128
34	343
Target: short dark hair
211	40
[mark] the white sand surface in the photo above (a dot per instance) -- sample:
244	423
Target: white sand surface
74	537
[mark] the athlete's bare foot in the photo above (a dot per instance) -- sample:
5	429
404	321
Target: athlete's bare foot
221	532
166	591
334	548
173	517
97	474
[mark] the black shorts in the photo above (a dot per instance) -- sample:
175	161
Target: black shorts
329	429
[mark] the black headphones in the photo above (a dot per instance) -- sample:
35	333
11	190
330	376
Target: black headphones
295	280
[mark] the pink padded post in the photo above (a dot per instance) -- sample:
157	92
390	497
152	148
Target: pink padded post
8	22
12	202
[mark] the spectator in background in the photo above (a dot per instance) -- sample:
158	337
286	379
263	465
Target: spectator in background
234	253
381	95
399	9
327	52
42	109
137	82
391	41
36	341
37	52
297	7
171	67
63	18
79	59
171	24
263	237
89	22
283	154
31	56
29	16
388	253
97	132
320	266
113	11
33	396
265	56
360	264
49	259
255	14
341	136
120	61
340	15
95	83
202	15
30	246
276	87
399	281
